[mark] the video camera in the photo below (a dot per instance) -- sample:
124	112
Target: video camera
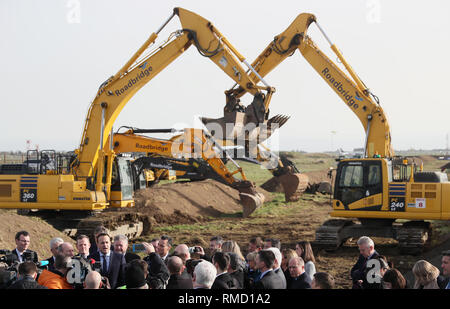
7	258
10	271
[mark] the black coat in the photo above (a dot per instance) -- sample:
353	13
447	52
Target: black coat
359	272
16	257
159	274
51	262
270	281
27	283
130	256
241	278
116	270
225	281
179	282
301	282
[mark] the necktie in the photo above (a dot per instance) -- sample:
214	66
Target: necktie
104	266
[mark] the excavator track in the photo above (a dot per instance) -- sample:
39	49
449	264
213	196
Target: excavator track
329	236
117	221
129	224
412	237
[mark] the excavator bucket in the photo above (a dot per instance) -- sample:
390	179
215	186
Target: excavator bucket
250	202
249	198
292	185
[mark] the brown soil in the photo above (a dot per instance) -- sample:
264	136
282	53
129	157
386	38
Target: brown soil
40	232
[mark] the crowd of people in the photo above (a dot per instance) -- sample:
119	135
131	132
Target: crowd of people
163	265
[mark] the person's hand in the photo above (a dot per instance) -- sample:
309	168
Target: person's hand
148	247
360	282
201	251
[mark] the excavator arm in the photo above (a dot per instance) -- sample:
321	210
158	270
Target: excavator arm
348	86
120	88
185	149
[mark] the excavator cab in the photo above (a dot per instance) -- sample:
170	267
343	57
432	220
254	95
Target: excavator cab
358	179
122	184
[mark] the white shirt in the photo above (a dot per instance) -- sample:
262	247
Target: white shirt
19	255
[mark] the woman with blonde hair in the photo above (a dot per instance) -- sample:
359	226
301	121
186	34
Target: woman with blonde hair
232	246
287	254
425	275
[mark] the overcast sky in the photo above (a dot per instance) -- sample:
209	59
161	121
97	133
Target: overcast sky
56	53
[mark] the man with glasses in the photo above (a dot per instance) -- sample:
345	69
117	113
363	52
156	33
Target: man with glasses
21	252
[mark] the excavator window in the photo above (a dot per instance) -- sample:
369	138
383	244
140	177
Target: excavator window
351	176
374	175
357	180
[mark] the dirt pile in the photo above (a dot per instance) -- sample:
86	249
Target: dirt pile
187	202
40	232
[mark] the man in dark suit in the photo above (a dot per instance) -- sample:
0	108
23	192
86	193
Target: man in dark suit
360	270
21	253
268	279
121	246
299	279
223	279
112	263
176	280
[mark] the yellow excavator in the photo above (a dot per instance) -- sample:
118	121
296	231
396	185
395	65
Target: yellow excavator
193	153
377	189
84	182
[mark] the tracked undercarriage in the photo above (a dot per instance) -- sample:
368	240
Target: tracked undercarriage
411	236
117	221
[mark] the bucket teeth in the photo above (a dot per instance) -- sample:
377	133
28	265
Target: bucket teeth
279	119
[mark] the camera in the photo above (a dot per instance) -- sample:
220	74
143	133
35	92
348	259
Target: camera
194	249
138	248
29	256
8	257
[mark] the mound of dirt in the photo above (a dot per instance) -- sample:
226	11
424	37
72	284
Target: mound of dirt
40	232
187	202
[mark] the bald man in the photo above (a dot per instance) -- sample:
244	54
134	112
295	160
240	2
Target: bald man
93	280
182	251
66	249
177	280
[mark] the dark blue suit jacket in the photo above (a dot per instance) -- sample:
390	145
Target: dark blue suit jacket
116	270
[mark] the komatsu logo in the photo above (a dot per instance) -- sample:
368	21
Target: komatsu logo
145	72
339	87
